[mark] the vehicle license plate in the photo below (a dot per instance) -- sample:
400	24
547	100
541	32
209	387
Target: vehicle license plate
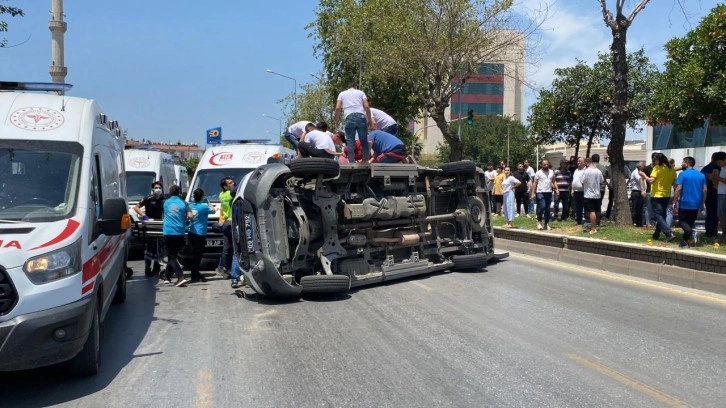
214	242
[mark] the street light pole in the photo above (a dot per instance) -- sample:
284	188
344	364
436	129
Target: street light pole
294	102
274	118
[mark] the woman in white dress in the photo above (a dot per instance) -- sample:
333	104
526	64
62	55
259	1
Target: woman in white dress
509	184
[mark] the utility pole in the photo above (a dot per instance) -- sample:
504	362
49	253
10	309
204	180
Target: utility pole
58	29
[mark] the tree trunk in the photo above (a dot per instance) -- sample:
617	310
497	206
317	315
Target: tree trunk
577	150
457	148
619	117
589	144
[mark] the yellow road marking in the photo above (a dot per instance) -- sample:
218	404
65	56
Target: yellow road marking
421	285
205	398
615	277
638	386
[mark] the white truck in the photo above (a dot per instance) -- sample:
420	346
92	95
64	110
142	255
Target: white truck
63	227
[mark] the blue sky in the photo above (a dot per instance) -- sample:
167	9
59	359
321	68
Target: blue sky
169	70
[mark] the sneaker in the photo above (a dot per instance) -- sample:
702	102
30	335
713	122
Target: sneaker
695	238
235	283
547	227
197	280
167	282
516	216
670	237
527	215
655	236
593	232
683	244
539	226
181	283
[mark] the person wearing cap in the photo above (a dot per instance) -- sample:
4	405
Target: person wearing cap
357	118
384	121
316	142
295	132
387	148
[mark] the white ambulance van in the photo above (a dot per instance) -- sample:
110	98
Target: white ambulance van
233	158
181	178
143	167
63	227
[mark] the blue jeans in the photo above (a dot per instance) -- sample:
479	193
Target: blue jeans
648	209
393	129
357	123
544	200
292	139
578	198
234	272
660	210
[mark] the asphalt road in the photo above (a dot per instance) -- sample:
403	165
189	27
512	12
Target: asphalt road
523	333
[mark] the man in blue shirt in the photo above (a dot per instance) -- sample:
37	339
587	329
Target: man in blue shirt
176	215
198	231
690	196
387	148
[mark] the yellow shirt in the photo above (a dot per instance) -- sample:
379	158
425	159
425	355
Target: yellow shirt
498	180
664	178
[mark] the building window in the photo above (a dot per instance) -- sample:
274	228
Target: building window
491	69
479	108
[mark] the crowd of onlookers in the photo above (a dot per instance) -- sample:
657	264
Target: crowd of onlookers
659	193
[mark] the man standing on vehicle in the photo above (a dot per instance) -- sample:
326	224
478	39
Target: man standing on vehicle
225	220
387	148
357	116
295	132
153	206
176	215
689	198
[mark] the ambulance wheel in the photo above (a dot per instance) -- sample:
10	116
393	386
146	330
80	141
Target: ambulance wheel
470	262
313	166
459	167
88	361
120	296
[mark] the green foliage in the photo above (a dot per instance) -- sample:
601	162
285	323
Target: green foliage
580	101
405	54
191	165
693	86
485	141
12	12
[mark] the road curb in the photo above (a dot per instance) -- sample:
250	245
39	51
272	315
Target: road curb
678	267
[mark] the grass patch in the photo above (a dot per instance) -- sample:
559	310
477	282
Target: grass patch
612	232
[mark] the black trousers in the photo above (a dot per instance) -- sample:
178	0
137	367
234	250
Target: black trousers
711	213
522	198
636	207
564	198
687	219
174	244
197	242
225	261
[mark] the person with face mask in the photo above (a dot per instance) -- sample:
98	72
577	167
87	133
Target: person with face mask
153	206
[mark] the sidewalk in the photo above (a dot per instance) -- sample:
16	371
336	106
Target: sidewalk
681	267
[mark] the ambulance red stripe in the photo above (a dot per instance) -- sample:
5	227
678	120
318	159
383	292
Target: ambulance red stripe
70	228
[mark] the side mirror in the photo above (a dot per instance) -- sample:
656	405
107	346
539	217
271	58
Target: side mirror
114	218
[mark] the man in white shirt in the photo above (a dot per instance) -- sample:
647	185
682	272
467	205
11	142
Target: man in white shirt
357	118
295	131
542	188
384	121
317	142
578	197
637	194
591	180
530	172
489	178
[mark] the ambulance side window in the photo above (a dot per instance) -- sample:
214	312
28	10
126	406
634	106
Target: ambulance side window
96	203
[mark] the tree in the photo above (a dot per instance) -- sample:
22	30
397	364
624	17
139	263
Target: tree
485	141
620	112
191	165
12	12
693	85
421	51
579	103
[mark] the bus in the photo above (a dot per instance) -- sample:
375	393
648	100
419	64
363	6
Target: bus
699	143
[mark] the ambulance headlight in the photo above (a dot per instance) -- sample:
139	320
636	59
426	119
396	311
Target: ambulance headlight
54	265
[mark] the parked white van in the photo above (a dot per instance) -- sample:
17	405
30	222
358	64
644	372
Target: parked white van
143	167
181	178
63	227
234	158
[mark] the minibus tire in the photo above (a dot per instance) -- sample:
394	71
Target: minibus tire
88	361
120	295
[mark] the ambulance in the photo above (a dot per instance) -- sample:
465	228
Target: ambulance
63	227
143	167
181	178
235	159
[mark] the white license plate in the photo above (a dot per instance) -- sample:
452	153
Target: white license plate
214	242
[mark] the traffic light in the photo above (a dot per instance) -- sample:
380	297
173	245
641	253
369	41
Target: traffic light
470	117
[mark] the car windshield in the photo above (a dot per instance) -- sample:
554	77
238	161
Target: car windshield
138	184
208	180
39	180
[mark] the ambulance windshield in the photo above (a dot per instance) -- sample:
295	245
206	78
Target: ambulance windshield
39	180
209	180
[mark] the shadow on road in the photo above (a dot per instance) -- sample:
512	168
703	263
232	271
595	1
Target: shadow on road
124	329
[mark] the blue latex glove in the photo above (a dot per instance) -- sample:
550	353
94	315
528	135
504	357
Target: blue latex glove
145	218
